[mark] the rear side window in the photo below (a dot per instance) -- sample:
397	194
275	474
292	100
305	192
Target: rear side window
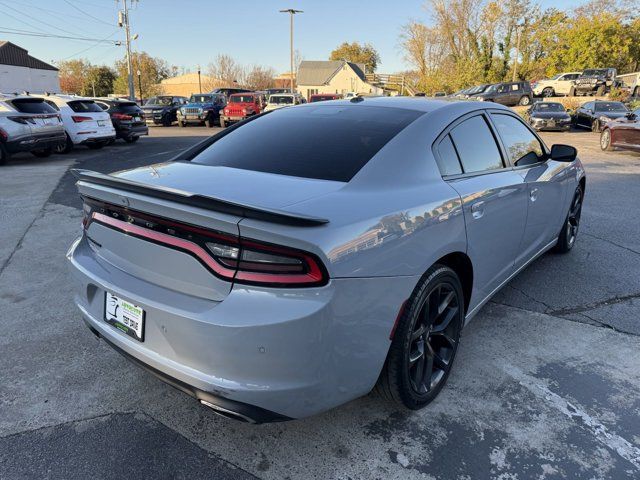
522	146
476	146
447	158
84	106
327	142
32	105
129	108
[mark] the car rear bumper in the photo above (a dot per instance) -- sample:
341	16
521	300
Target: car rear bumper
128	131
291	353
29	143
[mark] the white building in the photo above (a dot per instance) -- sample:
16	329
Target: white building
334	76
20	72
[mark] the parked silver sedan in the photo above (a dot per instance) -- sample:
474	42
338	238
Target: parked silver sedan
296	260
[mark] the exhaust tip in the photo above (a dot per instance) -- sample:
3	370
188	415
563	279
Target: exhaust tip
227	413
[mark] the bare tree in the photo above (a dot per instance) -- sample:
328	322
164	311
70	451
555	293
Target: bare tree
226	70
259	77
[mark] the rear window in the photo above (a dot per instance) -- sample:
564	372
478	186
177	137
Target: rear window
128	107
32	105
327	142
280	100
84	106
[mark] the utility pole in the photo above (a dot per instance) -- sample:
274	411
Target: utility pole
140	86
199	80
123	20
291	13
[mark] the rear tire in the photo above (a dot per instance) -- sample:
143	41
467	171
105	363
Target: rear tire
425	341
65	147
4	155
45	152
569	232
548	92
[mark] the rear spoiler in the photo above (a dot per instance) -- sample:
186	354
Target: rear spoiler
200	201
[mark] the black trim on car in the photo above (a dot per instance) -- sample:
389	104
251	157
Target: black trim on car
223	406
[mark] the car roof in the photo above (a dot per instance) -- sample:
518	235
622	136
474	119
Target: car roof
242	94
420	104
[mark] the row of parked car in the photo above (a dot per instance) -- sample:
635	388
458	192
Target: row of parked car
597	81
44	124
221	107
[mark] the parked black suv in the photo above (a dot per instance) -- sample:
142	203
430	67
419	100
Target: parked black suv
161	110
227	91
507	93
127	118
596	81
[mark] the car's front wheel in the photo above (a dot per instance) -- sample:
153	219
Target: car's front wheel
605	140
525	100
425	341
569	232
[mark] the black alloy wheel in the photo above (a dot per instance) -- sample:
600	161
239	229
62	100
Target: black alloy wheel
425	342
569	232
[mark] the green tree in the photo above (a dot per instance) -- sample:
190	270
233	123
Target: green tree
98	81
357	53
152	71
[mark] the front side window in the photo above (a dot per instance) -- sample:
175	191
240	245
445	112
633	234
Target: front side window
523	148
610	107
476	146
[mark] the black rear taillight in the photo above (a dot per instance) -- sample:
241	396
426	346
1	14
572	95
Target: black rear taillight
226	256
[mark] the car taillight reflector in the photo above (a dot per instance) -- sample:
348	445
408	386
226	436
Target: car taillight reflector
80	118
121	116
227	256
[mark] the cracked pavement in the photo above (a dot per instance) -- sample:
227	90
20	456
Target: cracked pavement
546	385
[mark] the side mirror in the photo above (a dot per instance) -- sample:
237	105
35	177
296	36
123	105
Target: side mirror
563	153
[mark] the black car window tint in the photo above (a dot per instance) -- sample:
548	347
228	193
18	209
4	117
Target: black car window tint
447	158
521	145
476	145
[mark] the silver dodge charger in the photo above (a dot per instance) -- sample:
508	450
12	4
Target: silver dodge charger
297	260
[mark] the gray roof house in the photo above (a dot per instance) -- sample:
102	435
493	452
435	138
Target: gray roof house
333	76
19	71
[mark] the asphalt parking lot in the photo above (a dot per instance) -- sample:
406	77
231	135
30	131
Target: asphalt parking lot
546	385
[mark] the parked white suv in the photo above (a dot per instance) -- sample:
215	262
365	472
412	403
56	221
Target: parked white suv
280	100
84	121
28	124
559	84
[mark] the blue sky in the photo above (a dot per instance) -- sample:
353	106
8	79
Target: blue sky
191	32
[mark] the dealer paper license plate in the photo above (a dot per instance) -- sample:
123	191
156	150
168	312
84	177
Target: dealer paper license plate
124	316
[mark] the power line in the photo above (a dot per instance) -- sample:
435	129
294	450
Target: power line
28	33
90	47
35	19
87	14
57	14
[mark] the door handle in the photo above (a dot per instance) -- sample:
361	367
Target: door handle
533	194
477	210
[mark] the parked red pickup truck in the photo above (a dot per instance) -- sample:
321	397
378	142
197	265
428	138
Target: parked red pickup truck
241	106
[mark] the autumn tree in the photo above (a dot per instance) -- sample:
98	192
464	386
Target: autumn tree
98	81
72	75
227	70
152	71
357	53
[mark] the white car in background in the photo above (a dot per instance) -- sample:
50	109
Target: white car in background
85	123
28	124
280	100
559	84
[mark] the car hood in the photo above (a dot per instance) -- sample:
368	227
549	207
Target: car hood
198	105
562	115
611	114
231	184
